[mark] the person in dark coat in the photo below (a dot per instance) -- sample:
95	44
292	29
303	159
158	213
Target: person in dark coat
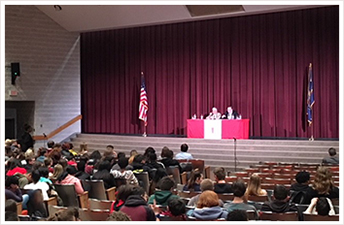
281	202
221	186
300	189
26	140
136	206
104	174
167	158
81	174
332	159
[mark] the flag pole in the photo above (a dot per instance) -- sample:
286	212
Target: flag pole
311	124
145	123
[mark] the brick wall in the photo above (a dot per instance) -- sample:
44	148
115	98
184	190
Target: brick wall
49	58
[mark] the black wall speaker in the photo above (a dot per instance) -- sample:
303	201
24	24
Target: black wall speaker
15	70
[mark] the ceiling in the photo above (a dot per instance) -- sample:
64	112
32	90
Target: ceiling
82	18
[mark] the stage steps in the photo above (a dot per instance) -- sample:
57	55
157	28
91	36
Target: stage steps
216	152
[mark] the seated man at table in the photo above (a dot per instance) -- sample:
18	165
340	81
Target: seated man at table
231	114
214	115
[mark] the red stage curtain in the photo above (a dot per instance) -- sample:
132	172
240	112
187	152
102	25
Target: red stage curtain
257	64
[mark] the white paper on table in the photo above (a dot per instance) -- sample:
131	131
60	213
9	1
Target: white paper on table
212	129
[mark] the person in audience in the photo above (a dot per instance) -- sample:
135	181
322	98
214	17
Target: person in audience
214	115
35	205
254	187
117	167
63	163
206	185
208	207
333	159
300	189
95	155
67	177
323	185
124	191
139	164
159	174
237	215
58	171
11	213
44	172
152	162
50	145
175	210
110	155
118	216
136	206
133	153
41	154
239	189
123	173
12	190
36	184
147	151
194	183
183	154
13	167
70	214
321	206
104	174
221	186
65	150
165	194
81	174
281	203
167	158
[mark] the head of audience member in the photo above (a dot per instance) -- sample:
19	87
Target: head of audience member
332	151
104	165
208	199
12	183
55	155
239	189
71	170
57	147
121	155
214	110
176	207
63	163
11	210
159	174
184	147
165	152
123	163
118	216
12	163
139	159
166	184
136	190
220	174
109	152
41	151
149	150
36	165
322	206
48	162
58	171
81	165
29	153
196	177
323	181
70	214
281	193
50	144
151	157
207	185
43	171
302	177
254	186
95	155
35	176
124	191
133	152
237	215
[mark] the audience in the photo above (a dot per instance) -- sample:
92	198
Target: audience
133	153
123	173
11	213
58	171
237	215
81	174
183	154
13	167
206	185
136	206
118	216
71	214
159	174
175	210
35	205
221	186
254	187
67	177
12	190
167	158
104	174
194	182
162	196
208	207
333	159
152	162
37	184
321	206
281	203
124	191
301	188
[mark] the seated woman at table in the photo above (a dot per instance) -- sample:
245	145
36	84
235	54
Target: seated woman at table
214	115
231	114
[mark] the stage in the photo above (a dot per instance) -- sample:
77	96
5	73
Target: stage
216	152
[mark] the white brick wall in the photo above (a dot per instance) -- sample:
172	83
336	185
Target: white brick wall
49	58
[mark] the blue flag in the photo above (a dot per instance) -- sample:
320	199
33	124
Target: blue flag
310	96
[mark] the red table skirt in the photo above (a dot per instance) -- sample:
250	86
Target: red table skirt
238	129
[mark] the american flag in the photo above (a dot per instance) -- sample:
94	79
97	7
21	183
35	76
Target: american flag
143	108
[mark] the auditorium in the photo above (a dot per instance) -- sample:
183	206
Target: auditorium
171	112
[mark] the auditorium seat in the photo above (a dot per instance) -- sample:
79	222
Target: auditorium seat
288	216
310	217
93	215
174	171
226	197
197	163
99	204
184	178
98	191
188	194
254	198
143	179
207	172
69	196
53	209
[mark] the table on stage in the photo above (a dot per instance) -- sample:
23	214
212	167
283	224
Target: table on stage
218	129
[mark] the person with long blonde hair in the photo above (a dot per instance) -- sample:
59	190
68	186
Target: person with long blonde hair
254	187
58	170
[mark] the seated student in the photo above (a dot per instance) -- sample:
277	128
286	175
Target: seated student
239	189
206	185
175	210
71	214
37	184
152	162
254	187
104	174
11	210
183	154
13	167
67	177
153	184
136	206
116	166
81	174
208	207
321	206
194	183
12	190
123	173
41	154
118	216
122	194
36	205
167	158
237	215
133	153
300	189
139	164
221	186
281	203
332	159
44	171
165	194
